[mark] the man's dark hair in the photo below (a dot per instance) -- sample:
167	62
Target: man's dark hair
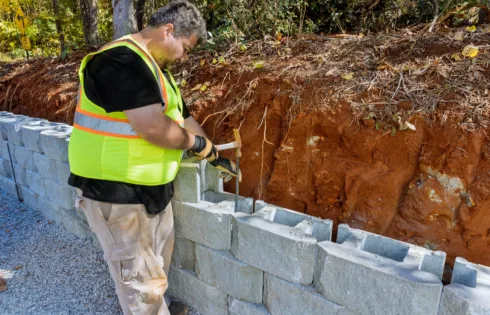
184	16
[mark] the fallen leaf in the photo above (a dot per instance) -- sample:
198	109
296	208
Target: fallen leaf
456	56
3	285
470	51
214	61
348	76
459	36
202	62
183	83
197	87
470	29
203	88
393	131
243	47
258	65
18	267
407	125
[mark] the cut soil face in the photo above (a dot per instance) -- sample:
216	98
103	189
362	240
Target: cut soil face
324	128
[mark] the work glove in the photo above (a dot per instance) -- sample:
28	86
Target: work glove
204	149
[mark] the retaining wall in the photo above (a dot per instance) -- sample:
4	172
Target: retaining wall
262	259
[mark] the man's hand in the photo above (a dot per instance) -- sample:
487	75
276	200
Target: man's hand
204	149
227	167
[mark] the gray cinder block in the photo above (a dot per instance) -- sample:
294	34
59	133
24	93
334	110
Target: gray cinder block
469	291
45	166
184	255
6	118
188	183
238	307
73	224
227	200
54	142
49	210
280	242
286	298
213	181
11	127
372	274
8	186
31	133
186	287
223	271
20	175
35	182
23	157
31	199
5	168
4	150
62	172
81	215
61	195
203	223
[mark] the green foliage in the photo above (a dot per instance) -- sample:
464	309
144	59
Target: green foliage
228	20
42	29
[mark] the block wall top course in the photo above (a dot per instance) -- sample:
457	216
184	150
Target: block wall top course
320	229
399	253
471	275
227	201
469	291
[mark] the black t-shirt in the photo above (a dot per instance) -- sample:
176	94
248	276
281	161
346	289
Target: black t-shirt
116	80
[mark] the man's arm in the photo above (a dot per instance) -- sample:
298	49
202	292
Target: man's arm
193	127
152	125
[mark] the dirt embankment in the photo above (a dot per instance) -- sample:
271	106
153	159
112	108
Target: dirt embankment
327	127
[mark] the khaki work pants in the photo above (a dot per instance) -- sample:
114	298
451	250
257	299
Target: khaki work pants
137	248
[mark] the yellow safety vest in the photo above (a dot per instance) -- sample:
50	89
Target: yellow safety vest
105	146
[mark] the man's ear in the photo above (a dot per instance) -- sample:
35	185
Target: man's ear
168	29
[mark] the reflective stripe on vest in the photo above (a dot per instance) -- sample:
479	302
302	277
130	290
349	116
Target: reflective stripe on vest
108	127
114	127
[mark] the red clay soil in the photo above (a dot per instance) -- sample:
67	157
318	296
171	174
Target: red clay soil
320	143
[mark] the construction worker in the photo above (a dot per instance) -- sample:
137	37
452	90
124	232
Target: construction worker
130	131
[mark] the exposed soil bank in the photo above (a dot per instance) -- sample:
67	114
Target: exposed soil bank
318	142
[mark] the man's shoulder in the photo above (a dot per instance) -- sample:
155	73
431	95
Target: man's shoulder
118	53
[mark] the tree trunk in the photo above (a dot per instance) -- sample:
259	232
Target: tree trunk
59	29
124	18
90	22
140	13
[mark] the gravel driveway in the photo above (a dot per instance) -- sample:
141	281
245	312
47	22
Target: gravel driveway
47	269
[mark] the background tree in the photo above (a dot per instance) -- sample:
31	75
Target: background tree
124	18
90	21
140	13
59	28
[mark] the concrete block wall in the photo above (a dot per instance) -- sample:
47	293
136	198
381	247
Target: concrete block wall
34	167
260	260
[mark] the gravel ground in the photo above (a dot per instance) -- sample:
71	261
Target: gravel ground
47	269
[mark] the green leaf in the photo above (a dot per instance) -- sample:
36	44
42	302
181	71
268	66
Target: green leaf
393	131
64	53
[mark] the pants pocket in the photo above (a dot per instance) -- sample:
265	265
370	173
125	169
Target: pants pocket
138	271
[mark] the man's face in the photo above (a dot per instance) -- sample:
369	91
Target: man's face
167	48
